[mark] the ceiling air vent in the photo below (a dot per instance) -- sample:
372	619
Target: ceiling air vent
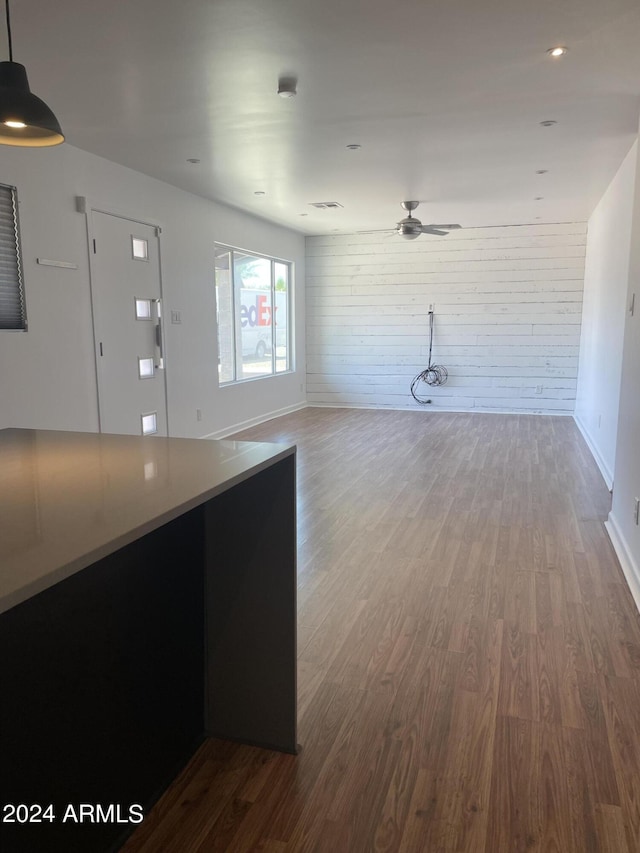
326	205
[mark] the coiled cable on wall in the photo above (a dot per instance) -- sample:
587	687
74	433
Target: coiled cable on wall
434	374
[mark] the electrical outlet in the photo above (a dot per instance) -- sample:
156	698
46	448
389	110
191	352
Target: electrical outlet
176	317
636	510
198	414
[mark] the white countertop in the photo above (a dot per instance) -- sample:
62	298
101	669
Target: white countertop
68	499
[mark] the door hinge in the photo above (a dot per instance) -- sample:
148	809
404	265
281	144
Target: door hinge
632	307
101	353
94	245
158	230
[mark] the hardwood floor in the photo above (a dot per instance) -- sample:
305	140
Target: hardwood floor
469	653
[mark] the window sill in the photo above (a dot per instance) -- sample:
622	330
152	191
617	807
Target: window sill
233	382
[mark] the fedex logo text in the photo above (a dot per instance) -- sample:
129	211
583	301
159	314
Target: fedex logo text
258	314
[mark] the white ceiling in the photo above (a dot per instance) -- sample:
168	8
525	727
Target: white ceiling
444	98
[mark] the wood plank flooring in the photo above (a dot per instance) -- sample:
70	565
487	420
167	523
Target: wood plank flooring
469	653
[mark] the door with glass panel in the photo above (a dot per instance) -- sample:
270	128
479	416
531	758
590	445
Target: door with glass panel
127	317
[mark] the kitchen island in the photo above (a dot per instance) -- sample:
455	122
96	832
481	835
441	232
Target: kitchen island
147	600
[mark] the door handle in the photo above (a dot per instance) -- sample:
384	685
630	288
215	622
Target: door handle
159	334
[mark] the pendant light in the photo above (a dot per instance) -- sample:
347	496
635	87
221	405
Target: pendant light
25	120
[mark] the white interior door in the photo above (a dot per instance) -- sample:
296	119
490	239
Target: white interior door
127	317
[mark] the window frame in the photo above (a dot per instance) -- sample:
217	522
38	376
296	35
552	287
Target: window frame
20	287
235	315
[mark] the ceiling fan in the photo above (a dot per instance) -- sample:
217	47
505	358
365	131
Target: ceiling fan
410	227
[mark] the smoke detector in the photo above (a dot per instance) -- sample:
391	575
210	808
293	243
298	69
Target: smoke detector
287	87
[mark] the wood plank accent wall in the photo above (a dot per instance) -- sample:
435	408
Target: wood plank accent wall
508	306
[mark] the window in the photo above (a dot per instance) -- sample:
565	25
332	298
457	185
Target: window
143	309
12	309
139	248
253	313
149	423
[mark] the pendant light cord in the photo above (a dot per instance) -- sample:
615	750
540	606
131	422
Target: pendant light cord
9	31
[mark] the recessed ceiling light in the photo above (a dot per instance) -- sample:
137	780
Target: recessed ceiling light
560	50
192	160
259	192
548	122
353	146
541	171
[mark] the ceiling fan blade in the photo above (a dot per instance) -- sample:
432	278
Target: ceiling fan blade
378	231
444	227
427	229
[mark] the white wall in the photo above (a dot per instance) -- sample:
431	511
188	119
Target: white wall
47	375
624	532
508	305
606	281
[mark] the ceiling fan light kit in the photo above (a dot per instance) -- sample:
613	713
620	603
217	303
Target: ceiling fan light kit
25	120
409	228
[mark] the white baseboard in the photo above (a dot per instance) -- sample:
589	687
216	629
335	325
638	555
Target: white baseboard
412	407
223	433
623	552
602	465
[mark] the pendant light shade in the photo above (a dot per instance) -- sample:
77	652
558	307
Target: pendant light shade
25	120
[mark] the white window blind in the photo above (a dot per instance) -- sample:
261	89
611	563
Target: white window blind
12	309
